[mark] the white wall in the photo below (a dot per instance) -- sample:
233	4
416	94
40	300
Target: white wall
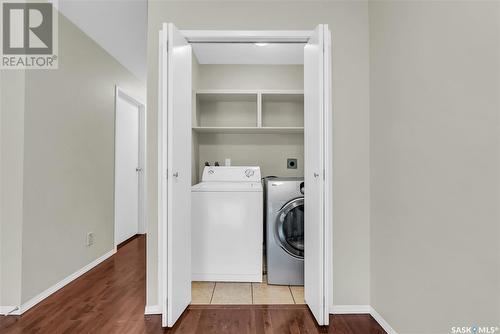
348	22
435	257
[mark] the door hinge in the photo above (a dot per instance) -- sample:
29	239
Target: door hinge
323	174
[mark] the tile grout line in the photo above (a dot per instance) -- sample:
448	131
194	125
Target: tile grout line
213	291
293	298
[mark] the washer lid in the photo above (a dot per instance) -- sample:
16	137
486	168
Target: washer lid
227	186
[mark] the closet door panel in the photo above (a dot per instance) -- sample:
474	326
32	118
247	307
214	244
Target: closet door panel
315	275
175	232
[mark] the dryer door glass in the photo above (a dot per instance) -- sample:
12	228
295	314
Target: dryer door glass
290	228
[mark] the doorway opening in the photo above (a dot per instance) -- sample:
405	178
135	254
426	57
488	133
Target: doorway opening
246	105
248	111
130	163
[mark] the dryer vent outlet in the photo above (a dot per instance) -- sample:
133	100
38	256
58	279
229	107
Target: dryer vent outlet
291	163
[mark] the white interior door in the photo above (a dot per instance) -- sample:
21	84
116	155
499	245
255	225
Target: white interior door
316	101
126	164
175	132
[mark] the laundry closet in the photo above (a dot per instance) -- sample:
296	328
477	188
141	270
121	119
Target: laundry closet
248	117
244	155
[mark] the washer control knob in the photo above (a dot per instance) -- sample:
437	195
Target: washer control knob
249	172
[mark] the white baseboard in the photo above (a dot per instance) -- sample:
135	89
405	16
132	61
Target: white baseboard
363	309
381	321
152	309
350	309
35	300
8	310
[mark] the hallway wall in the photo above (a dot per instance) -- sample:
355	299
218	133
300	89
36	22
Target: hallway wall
435	83
12	92
69	159
64	165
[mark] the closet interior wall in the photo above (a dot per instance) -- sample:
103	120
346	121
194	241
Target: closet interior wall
267	149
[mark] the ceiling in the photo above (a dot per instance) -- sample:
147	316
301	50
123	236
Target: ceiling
108	21
249	53
119	27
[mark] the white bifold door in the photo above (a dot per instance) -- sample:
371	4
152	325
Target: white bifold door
175	174
317	131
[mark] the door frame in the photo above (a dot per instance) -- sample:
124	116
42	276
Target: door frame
142	191
269	36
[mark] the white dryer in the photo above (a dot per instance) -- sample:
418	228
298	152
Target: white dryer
227	225
285	231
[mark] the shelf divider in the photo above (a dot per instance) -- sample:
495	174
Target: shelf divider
259	109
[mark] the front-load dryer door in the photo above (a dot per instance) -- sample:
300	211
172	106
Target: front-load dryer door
289	230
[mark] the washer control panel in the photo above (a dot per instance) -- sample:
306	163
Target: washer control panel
231	174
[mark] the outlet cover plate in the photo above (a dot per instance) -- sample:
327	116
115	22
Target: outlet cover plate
90	239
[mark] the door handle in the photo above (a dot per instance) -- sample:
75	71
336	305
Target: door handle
316	174
176	174
138	169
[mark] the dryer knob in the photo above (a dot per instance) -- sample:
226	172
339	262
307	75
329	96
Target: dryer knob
249	172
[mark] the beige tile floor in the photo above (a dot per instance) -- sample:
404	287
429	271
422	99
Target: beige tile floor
245	293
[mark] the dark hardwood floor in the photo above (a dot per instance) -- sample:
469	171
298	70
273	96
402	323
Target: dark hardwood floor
111	298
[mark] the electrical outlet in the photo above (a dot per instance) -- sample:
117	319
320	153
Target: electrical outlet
90	239
291	163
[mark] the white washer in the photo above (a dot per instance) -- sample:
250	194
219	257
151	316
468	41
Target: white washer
227	225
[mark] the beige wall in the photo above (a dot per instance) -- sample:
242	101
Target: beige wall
348	22
435	164
269	151
11	185
66	162
251	77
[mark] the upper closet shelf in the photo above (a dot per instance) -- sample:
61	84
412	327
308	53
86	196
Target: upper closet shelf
248	91
247	130
249	111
